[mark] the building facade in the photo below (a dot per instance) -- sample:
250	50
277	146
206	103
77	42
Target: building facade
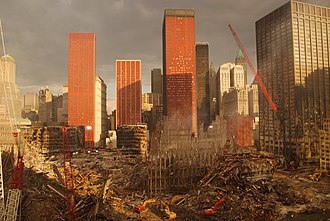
81	76
45	105
213	92
325	147
253	101
203	83
62	112
129	92
235	102
10	102
101	115
179	69
293	61
156	81
240	60
237	77
31	101
150	100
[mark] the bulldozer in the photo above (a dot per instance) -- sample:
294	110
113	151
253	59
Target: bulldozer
316	176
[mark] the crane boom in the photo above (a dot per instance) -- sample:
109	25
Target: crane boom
260	83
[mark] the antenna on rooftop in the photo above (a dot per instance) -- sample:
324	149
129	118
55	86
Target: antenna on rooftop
3	40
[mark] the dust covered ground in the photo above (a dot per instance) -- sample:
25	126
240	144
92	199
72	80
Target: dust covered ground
108	186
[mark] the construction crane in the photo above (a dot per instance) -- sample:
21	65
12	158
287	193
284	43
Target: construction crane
69	177
280	114
260	83
15	186
9	211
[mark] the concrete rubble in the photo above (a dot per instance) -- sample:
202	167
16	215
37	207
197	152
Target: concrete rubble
110	185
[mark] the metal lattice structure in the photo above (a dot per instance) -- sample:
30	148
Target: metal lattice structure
69	177
2	194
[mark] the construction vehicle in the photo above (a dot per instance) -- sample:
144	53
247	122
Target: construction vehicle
177	198
316	176
213	209
142	206
169	215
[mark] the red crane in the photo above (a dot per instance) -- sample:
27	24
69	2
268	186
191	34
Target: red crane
15	185
69	177
260	83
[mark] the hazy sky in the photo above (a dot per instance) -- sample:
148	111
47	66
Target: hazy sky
36	34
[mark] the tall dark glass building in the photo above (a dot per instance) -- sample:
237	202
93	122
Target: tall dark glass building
293	61
203	84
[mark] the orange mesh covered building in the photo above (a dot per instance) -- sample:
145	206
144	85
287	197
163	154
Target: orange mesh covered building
242	128
179	65
81	76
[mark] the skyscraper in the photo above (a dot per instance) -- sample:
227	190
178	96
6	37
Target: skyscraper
240	60
31	101
203	83
156	81
81	75
45	106
237	77
10	104
100	112
179	68
129	92
293	61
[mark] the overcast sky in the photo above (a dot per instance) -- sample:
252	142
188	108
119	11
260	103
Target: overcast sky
36	34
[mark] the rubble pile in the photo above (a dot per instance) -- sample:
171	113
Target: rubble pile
104	183
247	195
109	185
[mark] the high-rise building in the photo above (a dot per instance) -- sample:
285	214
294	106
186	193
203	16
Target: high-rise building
45	106
237	77
156	81
240	60
223	83
253	101
129	92
203	83
150	100
10	103
293	62
100	112
224	77
179	68
81	75
31	101
235	102
62	112
213	92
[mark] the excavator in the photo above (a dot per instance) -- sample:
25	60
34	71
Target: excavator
213	209
316	176
169	215
142	206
